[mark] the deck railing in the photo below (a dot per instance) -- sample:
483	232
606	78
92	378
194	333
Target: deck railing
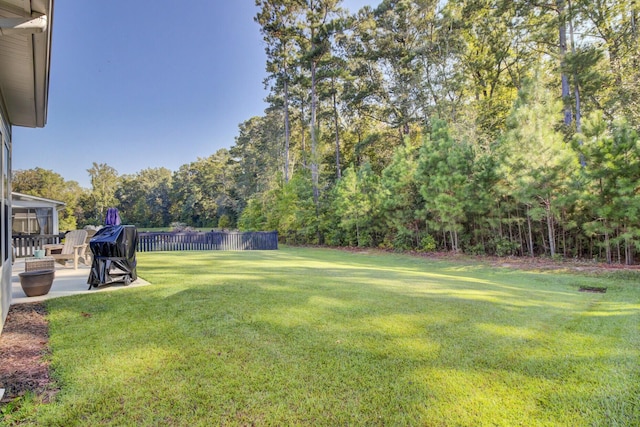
25	244
211	241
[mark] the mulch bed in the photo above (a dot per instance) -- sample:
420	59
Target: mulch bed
23	350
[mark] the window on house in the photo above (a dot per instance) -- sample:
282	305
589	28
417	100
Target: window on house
32	221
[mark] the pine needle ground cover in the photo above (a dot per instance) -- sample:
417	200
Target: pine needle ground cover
324	337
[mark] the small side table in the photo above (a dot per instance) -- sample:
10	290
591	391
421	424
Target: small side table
33	264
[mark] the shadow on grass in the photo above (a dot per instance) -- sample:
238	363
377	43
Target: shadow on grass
301	340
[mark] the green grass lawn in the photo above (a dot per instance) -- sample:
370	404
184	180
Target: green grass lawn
323	337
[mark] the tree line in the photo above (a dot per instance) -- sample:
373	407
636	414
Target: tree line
200	194
477	126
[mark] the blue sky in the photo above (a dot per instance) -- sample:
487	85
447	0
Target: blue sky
140	84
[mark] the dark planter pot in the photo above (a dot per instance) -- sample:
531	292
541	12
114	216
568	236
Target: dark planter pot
36	283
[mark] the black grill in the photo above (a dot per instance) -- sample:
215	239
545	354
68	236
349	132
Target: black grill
114	255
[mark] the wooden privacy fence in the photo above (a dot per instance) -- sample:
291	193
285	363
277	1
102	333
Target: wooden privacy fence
211	241
25	244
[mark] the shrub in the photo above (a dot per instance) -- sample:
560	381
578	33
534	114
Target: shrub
477	249
428	243
224	221
503	247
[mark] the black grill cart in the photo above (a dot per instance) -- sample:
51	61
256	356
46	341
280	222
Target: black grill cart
114	255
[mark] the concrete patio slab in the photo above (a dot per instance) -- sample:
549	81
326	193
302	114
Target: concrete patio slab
67	282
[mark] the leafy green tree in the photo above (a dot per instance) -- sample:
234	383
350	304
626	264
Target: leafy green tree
400	29
51	185
104	182
499	177
145	197
363	94
277	19
400	199
220	184
224	221
484	221
253	217
333	76
493	58
204	190
613	27
356	204
257	152
538	164
288	208
39	182
612	167
444	171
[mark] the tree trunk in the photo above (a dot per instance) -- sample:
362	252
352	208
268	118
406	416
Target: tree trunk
581	246
520	235
357	230
335	120
576	86
510	228
530	237
500	220
566	91
303	139
314	139
576	82
545	247
453	245
550	231
286	126
607	243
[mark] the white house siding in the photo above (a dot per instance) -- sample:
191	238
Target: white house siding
25	59
5	215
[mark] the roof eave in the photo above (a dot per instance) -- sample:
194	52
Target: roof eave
26	99
22	196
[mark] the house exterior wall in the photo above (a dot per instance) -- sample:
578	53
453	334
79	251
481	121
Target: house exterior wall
5	215
25	60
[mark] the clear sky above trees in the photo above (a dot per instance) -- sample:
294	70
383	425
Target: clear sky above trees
147	84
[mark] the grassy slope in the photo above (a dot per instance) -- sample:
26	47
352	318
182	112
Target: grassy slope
324	337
